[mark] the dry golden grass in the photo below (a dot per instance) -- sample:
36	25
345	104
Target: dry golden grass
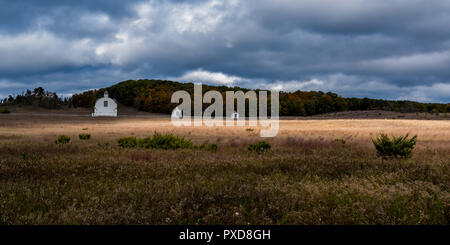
306	178
428	130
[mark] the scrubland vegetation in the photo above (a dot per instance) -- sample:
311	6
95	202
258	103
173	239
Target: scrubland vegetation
307	176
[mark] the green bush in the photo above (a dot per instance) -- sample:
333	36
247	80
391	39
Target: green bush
394	147
157	141
129	142
62	139
164	141
4	111
259	147
84	136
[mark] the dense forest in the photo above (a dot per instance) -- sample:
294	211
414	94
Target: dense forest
155	95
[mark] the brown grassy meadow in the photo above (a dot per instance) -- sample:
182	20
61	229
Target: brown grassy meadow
308	177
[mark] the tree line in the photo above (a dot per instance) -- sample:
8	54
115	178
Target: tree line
36	97
155	96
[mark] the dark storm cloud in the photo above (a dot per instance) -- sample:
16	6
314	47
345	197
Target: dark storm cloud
353	16
393	49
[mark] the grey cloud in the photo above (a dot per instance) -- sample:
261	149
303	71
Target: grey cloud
382	49
355	16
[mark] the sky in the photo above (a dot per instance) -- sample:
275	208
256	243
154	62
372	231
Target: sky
389	49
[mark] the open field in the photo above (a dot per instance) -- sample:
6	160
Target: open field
308	177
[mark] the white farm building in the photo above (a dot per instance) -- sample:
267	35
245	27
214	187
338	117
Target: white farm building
105	107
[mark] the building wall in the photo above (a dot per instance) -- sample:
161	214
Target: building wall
100	110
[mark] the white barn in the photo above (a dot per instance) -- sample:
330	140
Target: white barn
105	107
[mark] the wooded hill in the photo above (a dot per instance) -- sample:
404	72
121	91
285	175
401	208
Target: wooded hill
155	95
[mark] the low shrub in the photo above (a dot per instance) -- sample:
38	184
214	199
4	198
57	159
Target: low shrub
144	143
165	141
401	146
259	147
128	142
4	111
157	141
62	139
84	136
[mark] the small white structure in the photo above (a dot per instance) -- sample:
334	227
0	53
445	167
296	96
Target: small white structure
177	113
105	107
235	116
